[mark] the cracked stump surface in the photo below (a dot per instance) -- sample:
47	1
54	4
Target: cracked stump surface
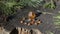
47	20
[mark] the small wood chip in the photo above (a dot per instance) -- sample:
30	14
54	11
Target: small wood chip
23	18
21	21
25	23
28	24
39	22
35	23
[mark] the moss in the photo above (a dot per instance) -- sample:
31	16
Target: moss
49	32
57	20
50	4
10	6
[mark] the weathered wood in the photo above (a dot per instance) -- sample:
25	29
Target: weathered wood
37	31
3	31
19	30
28	31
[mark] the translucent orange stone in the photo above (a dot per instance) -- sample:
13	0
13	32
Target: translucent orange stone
31	15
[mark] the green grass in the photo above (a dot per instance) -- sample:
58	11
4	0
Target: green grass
49	32
50	5
57	20
10	6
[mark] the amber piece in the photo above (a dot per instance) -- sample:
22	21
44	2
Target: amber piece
31	15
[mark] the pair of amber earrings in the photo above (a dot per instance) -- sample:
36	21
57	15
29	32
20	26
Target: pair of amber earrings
30	20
